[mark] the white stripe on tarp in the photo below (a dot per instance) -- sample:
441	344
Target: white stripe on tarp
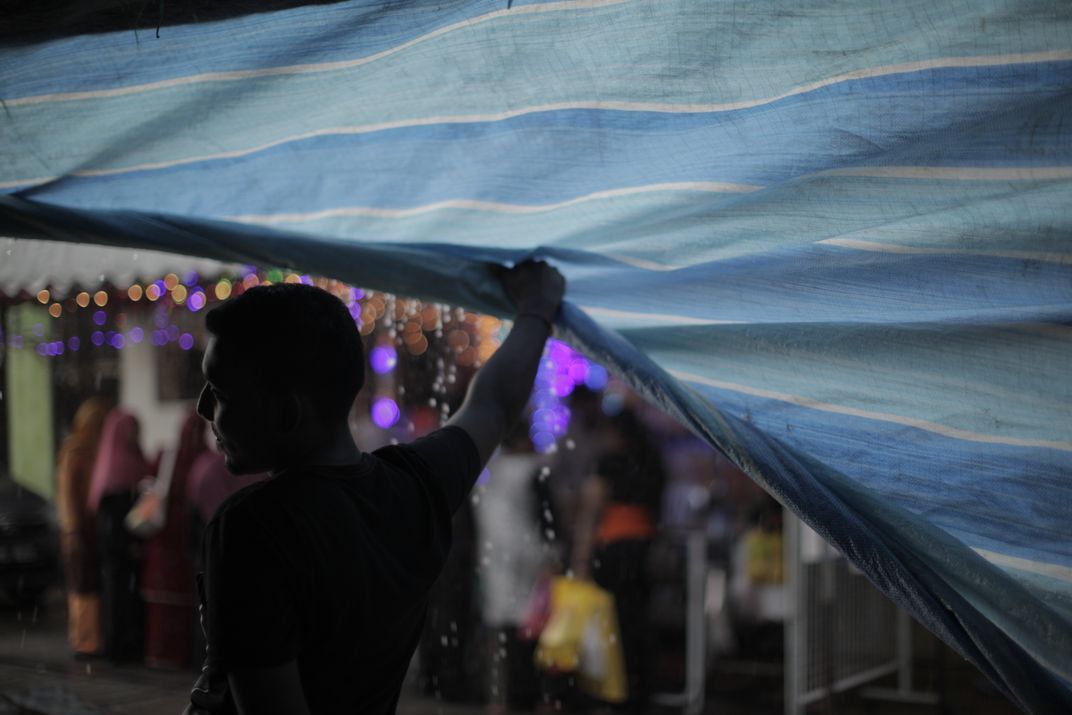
1042	568
718	187
653	318
872	246
926	425
957	173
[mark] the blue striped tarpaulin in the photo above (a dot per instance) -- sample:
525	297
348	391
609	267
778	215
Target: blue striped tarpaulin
833	238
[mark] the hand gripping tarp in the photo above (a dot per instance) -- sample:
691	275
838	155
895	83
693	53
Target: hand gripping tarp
832	238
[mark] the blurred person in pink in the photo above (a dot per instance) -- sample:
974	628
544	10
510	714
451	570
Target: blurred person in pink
74	470
208	485
167	584
119	468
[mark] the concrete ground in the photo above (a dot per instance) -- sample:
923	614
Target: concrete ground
38	675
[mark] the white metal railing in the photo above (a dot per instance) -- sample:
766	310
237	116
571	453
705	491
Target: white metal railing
840	631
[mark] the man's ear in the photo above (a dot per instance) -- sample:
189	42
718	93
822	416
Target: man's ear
292	410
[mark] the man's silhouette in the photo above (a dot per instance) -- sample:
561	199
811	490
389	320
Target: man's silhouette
316	579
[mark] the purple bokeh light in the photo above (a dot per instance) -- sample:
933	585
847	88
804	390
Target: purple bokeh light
74	343
578	370
97	338
189	278
100	317
186	341
562	384
42	349
117	341
542	441
136	334
597	377
196	301
385	412
383	359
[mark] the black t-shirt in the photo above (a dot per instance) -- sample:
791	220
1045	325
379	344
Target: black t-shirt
331	566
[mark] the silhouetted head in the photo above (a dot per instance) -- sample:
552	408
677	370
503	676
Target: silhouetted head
282	369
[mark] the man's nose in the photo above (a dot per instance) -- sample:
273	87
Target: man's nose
205	407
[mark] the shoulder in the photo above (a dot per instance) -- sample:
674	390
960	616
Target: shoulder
432	451
249	504
445	461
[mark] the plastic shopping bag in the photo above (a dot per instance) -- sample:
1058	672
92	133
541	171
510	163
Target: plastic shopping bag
582	637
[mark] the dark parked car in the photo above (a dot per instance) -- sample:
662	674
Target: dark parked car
29	544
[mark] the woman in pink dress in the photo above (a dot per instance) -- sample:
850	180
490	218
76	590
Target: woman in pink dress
119	468
167	576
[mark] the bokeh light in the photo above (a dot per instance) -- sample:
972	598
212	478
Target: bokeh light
117	341
97	338
152	292
136	334
597	377
383	359
178	294
43	296
385	412
74	343
186	341
100	298
55	310
196	301
223	289
100	317
135	292
82	299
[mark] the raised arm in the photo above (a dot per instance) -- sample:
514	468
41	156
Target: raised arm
501	388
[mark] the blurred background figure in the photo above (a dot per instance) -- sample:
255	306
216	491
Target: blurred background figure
78	543
513	554
207	486
617	520
167	583
119	468
757	582
575	459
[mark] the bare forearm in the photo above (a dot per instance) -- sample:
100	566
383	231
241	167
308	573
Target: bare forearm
500	390
506	379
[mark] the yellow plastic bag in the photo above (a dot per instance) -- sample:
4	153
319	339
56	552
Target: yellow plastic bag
582	637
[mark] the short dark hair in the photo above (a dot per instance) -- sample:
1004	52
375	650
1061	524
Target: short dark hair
296	336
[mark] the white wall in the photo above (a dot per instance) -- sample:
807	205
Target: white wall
160	421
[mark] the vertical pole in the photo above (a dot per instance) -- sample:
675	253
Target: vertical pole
904	651
696	636
796	616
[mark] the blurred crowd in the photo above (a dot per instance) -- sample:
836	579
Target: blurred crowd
130	532
608	504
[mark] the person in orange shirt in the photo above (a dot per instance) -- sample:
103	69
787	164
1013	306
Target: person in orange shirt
617	520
